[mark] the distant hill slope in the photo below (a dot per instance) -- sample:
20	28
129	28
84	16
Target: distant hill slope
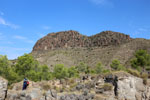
70	48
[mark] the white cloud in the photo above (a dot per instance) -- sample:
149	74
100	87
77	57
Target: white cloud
107	3
46	27
22	38
3	22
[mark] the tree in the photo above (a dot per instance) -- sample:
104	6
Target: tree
45	73
4	65
60	72
73	72
26	63
98	68
116	65
142	59
82	67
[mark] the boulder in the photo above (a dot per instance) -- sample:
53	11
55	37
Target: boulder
3	88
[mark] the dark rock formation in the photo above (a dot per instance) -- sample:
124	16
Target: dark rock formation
71	38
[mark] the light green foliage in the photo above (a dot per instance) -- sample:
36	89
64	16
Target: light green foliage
116	65
28	67
45	73
4	65
99	68
142	59
26	63
72	71
82	67
7	71
25	66
60	71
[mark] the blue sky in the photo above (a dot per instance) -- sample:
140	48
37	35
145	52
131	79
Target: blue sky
23	22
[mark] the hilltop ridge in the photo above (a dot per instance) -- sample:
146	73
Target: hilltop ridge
65	39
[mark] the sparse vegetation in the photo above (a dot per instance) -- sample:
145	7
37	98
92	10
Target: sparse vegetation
27	66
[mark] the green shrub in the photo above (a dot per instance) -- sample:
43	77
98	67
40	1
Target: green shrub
99	68
116	65
106	71
73	72
83	68
142	59
60	71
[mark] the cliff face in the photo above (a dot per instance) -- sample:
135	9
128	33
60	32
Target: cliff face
71	38
91	88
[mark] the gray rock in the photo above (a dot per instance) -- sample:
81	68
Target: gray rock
3	88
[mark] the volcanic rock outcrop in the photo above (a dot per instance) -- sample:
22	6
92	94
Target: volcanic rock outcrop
71	38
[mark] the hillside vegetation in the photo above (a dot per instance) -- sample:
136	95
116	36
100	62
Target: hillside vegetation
27	66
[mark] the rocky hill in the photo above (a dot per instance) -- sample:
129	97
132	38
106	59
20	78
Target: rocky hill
70	48
74	39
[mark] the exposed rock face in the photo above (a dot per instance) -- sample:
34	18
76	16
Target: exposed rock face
91	88
3	88
132	88
71	38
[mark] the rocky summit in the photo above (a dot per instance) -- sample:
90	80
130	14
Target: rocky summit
70	48
71	38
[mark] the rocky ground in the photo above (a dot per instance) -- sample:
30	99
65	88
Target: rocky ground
87	87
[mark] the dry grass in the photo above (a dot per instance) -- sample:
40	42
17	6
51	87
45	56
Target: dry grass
107	87
46	86
134	72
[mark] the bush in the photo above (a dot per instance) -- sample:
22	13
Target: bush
142	59
7	71
106	71
60	71
4	65
99	68
116	65
72	72
82	67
